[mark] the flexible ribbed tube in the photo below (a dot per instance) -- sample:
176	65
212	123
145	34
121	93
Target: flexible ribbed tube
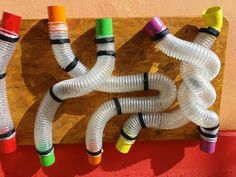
194	100
200	62
154	120
63	52
43	123
106	111
116	84
6	51
68	89
71	88
139	121
191	53
64	56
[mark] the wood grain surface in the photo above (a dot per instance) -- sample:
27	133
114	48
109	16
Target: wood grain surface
33	70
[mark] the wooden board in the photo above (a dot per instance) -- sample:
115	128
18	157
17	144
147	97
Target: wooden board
33	69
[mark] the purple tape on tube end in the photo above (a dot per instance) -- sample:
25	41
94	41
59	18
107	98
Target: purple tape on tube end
154	26
208	147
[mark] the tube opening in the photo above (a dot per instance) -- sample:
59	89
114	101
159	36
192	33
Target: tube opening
213	17
154	26
11	23
104	27
123	145
8	145
47	160
95	160
207	147
56	14
211	10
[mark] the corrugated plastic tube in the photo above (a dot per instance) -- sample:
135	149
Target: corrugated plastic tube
199	66
73	88
63	53
140	121
98	121
68	61
65	57
199	85
9	35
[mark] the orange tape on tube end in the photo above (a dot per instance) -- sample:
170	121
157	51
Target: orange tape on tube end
56	14
94	160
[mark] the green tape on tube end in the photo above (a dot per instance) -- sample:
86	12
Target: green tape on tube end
47	160
104	27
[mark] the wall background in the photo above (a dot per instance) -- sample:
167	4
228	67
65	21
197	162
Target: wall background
30	9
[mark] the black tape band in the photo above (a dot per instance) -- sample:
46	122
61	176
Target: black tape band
59	41
210	30
208	135
54	96
127	136
104	40
118	106
45	152
141	121
94	153
145	81
2	75
8	39
212	128
71	66
160	35
104	52
7	134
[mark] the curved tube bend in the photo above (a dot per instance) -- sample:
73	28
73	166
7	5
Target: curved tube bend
109	109
71	88
65	57
193	77
139	121
8	39
199	66
63	53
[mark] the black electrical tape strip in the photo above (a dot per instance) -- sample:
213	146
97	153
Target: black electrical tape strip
7	134
212	128
45	152
208	135
160	35
71	66
8	39
54	96
141	121
145	81
94	153
2	76
127	136
210	30
104	40
59	41
118	106
103	52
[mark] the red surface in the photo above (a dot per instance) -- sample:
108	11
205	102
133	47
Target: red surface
166	158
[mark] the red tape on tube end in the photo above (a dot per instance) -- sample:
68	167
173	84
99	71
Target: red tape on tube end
8	145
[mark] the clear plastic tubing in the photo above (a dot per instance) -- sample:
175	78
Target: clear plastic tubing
171	120
98	121
199	66
73	88
140	121
65	57
67	60
9	35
